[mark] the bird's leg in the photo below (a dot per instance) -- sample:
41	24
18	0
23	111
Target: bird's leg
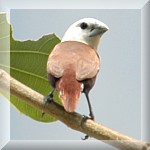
90	107
50	96
48	99
91	113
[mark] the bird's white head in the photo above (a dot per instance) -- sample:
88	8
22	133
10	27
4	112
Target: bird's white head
86	30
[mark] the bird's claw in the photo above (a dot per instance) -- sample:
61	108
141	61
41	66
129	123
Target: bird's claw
85	137
91	116
84	118
47	99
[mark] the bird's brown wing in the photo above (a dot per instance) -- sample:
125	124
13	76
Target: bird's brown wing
55	66
74	55
88	67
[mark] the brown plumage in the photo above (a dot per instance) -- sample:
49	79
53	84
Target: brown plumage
72	66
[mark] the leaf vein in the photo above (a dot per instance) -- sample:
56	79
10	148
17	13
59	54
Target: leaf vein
23	51
45	42
4	37
23	71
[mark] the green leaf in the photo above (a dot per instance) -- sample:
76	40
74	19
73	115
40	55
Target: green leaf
28	65
4	47
4	42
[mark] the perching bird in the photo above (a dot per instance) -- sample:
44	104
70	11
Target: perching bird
73	64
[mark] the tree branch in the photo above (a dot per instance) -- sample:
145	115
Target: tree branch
72	120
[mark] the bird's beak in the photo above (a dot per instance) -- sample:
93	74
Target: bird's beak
98	30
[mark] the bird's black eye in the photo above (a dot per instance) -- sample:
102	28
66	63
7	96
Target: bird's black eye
83	25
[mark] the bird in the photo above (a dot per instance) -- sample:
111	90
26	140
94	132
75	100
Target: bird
74	63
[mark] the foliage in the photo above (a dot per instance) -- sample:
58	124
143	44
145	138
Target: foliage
28	65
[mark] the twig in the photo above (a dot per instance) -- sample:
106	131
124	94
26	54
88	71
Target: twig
72	120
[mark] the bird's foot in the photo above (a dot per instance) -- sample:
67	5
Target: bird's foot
92	116
48	99
84	118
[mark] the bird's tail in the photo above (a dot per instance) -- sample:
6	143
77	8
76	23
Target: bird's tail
69	90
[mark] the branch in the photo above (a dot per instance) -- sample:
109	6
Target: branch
72	120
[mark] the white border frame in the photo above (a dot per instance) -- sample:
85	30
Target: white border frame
145	61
